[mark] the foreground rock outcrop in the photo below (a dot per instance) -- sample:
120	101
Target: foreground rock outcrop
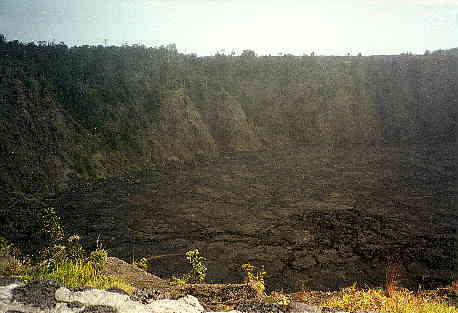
46	296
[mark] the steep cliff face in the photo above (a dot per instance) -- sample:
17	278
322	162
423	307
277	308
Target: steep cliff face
376	100
296	101
40	146
228	122
182	133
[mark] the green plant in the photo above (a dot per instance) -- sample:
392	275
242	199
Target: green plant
51	256
255	279
198	271
50	226
74	250
88	274
61	259
99	258
10	262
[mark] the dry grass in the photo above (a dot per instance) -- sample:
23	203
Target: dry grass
399	301
392	298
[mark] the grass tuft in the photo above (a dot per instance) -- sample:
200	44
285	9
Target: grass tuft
85	274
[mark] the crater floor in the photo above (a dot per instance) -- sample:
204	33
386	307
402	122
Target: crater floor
315	217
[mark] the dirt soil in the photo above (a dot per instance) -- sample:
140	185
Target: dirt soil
315	217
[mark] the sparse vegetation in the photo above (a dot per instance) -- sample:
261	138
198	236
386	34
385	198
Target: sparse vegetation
256	279
198	271
62	259
69	264
85	273
399	301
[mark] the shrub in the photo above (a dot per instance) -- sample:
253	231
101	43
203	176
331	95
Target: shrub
257	280
198	271
99	258
74	249
50	226
68	251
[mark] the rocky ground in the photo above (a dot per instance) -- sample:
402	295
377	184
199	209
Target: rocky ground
315	218
152	294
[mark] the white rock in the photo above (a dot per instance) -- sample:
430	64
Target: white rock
122	303
188	304
100	297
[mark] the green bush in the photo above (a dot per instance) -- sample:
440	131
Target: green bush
198	271
99	257
50	226
257	280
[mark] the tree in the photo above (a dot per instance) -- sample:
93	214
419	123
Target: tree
248	53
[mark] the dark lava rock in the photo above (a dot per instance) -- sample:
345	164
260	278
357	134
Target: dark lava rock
5	280
99	309
256	307
314	217
39	293
75	304
146	295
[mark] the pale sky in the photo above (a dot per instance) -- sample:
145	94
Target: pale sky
326	27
